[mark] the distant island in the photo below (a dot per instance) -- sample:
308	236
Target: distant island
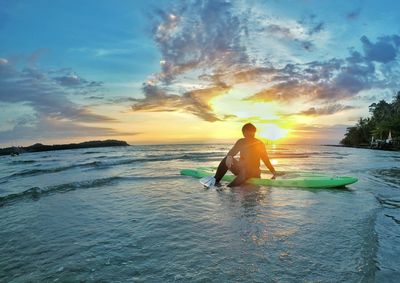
380	131
37	147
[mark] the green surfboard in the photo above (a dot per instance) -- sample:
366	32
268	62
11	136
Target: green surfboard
290	179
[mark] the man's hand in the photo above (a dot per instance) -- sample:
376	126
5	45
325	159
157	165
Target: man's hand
229	161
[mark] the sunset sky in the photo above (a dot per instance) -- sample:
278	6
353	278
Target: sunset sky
193	71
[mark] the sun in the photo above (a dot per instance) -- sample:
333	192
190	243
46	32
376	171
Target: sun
271	132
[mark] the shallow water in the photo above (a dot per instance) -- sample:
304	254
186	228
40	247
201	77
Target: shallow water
125	214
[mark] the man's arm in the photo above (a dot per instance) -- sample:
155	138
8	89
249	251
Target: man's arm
234	150
267	162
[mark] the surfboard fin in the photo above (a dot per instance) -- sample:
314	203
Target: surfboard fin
208	181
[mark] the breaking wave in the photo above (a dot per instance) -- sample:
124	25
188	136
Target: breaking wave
35	193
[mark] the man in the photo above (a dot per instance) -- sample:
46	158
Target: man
248	166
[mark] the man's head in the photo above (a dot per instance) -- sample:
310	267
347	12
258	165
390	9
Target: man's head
249	130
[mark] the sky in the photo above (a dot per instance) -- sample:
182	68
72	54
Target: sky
151	72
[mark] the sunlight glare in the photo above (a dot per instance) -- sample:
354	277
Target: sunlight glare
272	132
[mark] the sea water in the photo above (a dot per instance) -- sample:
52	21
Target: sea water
124	214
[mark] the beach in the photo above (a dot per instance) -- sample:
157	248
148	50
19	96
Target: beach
125	214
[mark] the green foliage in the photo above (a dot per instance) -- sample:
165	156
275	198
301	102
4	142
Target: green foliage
385	117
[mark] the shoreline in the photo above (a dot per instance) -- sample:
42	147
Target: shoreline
361	146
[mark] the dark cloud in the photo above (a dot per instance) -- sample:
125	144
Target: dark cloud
384	50
307	45
74	81
286	33
70	81
313	26
318	27
229	116
96	97
336	78
279	30
327	110
318	81
352	15
195	102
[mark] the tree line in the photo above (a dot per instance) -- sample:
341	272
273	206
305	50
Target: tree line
385	117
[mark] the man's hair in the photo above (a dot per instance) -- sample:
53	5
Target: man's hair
249	127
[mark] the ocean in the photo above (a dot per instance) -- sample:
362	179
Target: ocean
124	214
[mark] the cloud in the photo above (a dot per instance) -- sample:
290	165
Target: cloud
209	43
280	31
283	91
203	34
307	45
295	33
336	79
327	110
71	80
300	30
209	37
74	81
384	50
318	134
192	39
352	15
47	94
313	26
318	27
195	101
43	93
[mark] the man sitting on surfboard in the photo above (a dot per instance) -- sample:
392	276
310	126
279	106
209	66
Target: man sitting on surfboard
248	166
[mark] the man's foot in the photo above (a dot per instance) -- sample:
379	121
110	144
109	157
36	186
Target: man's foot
208	182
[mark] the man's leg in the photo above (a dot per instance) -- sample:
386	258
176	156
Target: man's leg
221	171
239	169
